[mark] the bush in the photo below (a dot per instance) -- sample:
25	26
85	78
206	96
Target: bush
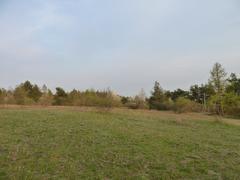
137	102
136	105
215	104
1	96
228	104
8	98
231	104
46	100
105	99
166	104
21	96
185	105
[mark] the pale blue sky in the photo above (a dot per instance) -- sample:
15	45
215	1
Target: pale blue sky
122	44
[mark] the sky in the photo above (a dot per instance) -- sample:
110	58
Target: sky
124	45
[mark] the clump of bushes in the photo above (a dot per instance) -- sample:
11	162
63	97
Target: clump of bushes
231	104
105	99
159	100
138	102
226	104
183	105
133	104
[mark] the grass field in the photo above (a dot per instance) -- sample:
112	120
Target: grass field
83	143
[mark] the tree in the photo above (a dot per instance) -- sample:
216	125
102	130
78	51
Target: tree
27	86
47	97
157	90
201	94
60	97
179	93
125	100
218	78
35	93
158	98
218	82
20	95
1	96
196	94
32	91
140	100
44	89
233	84
74	97
8	96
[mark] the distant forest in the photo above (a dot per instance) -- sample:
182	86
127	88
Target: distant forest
220	95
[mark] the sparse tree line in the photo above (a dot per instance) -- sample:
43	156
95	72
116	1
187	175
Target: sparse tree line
221	95
29	94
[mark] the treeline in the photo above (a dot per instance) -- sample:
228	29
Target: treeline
31	94
220	95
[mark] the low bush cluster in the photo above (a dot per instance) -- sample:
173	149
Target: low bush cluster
183	105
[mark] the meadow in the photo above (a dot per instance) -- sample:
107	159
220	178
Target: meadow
91	143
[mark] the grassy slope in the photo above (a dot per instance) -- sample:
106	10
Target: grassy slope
122	144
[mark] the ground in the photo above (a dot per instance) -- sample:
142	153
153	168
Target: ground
90	143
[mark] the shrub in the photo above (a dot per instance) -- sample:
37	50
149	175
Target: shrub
60	97
138	102
1	96
136	105
231	104
46	99
8	98
20	95
185	105
166	104
215	104
106	99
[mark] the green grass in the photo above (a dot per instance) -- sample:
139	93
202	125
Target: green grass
121	144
